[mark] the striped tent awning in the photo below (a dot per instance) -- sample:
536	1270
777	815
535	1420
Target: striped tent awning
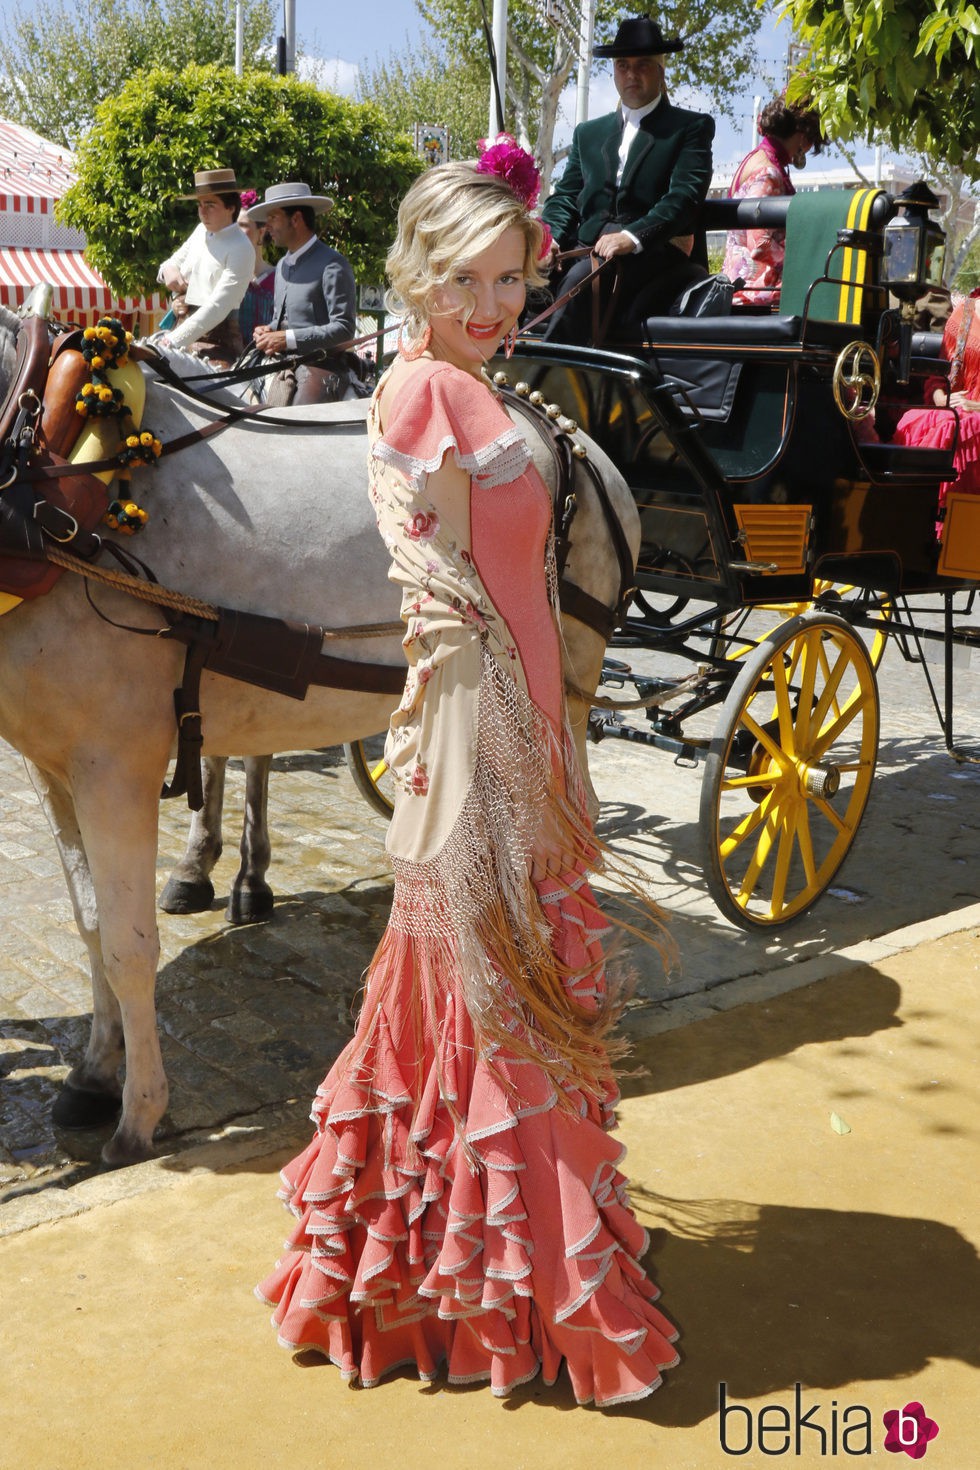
80	294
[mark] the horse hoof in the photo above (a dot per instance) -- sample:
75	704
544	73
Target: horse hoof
122	1149
250	905
180	897
74	1108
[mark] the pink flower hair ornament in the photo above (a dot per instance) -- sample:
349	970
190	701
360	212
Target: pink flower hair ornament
248	198
509	161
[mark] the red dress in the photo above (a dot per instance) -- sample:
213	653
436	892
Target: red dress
461	1202
936	428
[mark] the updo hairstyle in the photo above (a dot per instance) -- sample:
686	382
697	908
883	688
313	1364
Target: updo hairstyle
781	119
450	215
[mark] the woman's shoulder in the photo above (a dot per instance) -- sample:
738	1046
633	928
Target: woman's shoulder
427	385
428	408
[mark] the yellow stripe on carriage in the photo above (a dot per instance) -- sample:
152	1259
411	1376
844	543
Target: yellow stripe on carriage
855	265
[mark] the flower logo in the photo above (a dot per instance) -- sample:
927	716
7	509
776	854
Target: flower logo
909	1429
422	526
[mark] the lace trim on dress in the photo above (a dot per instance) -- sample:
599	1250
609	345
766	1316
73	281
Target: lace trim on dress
497	463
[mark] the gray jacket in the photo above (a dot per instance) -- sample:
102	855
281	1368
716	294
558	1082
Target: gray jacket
316	298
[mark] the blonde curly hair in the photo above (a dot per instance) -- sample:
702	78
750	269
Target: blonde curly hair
450	215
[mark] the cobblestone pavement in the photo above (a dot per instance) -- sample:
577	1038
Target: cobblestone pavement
251	1017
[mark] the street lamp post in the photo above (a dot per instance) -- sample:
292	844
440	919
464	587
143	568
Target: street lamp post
499	34
586	30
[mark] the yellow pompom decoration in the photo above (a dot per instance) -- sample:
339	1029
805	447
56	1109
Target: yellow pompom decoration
87	388
89	334
146	438
132	442
98	362
105	394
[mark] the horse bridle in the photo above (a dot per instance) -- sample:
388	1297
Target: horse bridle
568	453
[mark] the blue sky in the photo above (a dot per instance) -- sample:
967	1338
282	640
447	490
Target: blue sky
345	36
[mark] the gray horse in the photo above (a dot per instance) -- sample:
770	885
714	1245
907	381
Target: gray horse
264	519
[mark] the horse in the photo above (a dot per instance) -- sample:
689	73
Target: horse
261	518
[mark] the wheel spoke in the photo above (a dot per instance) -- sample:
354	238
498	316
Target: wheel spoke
744	829
784	711
765	778
804	708
833	677
831	733
784	857
805	838
764	739
832	816
763	851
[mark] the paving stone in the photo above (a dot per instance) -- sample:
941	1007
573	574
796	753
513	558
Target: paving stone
252	1018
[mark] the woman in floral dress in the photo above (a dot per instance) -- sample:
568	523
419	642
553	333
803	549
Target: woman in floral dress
788	133
461	1203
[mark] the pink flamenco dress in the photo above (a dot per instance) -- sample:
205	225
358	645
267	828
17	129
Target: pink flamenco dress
461	1204
938	428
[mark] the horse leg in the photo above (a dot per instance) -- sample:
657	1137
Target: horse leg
189	889
117	813
250	899
583	655
91	1094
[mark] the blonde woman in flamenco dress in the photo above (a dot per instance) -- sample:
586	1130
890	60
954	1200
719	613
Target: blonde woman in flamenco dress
461	1205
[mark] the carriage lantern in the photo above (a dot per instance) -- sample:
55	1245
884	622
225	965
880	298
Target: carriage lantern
915	246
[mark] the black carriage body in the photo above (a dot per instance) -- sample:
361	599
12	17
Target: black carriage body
750	480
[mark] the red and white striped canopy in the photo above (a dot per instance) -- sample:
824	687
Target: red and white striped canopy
34	173
80	294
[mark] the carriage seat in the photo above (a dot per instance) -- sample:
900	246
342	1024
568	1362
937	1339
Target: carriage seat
701	357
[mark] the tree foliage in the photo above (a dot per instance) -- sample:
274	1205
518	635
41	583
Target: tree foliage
432	82
58	60
718	63
147	142
902	71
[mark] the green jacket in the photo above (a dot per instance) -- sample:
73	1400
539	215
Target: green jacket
664	183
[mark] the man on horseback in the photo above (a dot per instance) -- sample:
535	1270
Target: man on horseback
314	309
209	273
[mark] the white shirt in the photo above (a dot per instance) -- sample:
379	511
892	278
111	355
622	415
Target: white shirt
287	261
217	266
632	117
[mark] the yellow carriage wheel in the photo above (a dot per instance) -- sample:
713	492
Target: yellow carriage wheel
367	765
789	770
827	597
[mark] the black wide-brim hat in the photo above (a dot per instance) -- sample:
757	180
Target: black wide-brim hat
639	36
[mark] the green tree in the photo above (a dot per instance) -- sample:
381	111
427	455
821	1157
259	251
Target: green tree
59	60
904	71
431	83
147	141
541	57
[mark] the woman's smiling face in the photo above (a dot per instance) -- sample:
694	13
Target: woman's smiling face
480	304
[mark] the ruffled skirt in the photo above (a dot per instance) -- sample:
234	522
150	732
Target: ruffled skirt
934	428
450	1213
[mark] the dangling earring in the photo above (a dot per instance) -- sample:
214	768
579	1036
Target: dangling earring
510	342
411	350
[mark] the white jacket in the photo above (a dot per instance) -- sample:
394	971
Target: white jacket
217	267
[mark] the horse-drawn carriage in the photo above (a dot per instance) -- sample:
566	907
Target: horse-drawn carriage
779	524
774	527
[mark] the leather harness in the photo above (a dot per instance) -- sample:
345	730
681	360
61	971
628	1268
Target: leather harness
45	499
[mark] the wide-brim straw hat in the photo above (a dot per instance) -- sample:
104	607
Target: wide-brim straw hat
213	181
639	36
289	196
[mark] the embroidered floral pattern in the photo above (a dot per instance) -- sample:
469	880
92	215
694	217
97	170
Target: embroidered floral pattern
422	526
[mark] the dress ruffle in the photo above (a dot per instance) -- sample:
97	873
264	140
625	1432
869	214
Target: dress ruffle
451	1213
935	428
443	409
